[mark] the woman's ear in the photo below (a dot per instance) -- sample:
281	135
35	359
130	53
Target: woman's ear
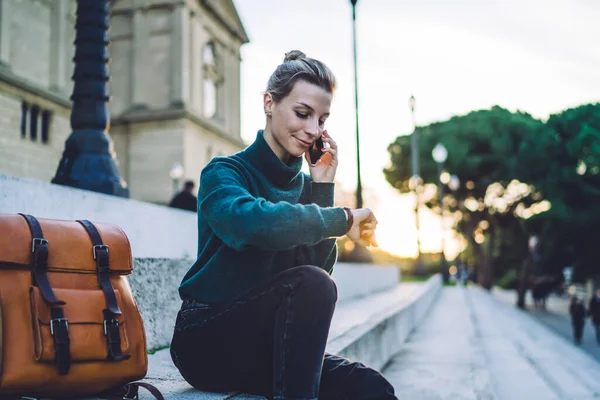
267	103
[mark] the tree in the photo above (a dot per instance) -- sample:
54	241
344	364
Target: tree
483	149
566	169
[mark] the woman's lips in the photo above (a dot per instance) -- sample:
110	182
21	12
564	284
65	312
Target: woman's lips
303	143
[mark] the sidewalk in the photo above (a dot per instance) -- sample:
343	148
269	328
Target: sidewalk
557	318
474	346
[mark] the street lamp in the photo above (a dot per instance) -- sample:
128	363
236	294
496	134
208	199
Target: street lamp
359	253
440	154
88	161
359	199
176	173
415	182
454	183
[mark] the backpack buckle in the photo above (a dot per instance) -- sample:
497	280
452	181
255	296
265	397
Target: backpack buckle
38	242
58	321
113	324
99	247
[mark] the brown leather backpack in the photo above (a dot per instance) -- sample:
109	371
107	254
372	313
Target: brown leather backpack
70	324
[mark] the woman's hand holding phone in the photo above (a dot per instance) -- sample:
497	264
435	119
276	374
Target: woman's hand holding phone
324	168
363	227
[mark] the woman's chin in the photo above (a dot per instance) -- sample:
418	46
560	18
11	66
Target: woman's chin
296	152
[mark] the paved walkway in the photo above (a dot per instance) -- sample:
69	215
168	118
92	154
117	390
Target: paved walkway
474	346
557	318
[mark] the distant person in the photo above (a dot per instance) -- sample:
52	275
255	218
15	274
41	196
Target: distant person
577	311
594	312
258	301
185	199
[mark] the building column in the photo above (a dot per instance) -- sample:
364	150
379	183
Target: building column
180	56
58	22
140	58
237	95
5	16
222	94
232	96
195	64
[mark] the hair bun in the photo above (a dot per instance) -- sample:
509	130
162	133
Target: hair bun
294	55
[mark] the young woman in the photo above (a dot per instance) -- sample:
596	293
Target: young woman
258	302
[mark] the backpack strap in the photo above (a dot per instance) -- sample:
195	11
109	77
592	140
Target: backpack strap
131	390
39	249
111	325
59	326
100	253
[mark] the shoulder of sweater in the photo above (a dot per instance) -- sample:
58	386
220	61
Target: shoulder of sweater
233	163
221	169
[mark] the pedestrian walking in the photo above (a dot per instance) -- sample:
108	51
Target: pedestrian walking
594	313
577	311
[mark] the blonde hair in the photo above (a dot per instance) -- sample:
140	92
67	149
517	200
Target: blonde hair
297	66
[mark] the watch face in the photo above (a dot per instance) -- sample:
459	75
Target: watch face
315	151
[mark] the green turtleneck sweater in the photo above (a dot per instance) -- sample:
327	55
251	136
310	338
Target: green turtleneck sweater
257	217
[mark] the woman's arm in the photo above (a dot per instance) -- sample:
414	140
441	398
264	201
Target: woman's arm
241	220
322	254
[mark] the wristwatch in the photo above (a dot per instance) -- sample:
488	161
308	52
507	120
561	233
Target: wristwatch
349	217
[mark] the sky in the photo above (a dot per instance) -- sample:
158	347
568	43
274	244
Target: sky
455	56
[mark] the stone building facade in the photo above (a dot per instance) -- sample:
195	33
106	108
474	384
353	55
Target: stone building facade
175	87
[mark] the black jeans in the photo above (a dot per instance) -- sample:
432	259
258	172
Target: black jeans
271	342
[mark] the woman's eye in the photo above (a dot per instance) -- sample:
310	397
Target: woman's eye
321	123
300	115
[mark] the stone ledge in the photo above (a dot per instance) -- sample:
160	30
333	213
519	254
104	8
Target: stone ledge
156	293
8	76
154	231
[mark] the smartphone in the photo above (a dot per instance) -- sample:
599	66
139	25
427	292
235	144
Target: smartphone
315	152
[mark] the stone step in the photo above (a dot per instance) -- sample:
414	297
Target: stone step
359	280
368	329
158	299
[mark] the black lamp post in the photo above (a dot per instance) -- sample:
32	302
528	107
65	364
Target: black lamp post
359	199
359	253
89	161
440	155
415	184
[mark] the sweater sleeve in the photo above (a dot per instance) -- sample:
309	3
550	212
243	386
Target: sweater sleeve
323	254
241	220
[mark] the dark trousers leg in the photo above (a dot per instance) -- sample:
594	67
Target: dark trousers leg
270	341
597	326
347	380
578	332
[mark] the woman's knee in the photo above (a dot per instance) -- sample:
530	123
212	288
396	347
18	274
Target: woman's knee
317	282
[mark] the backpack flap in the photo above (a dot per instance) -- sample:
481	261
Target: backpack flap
69	245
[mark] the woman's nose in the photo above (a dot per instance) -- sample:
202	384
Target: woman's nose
313	128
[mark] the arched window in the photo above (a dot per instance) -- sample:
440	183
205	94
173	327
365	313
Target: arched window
208	56
213	78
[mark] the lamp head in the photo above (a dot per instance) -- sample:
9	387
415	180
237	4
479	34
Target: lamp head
414	182
454	183
439	153
176	171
